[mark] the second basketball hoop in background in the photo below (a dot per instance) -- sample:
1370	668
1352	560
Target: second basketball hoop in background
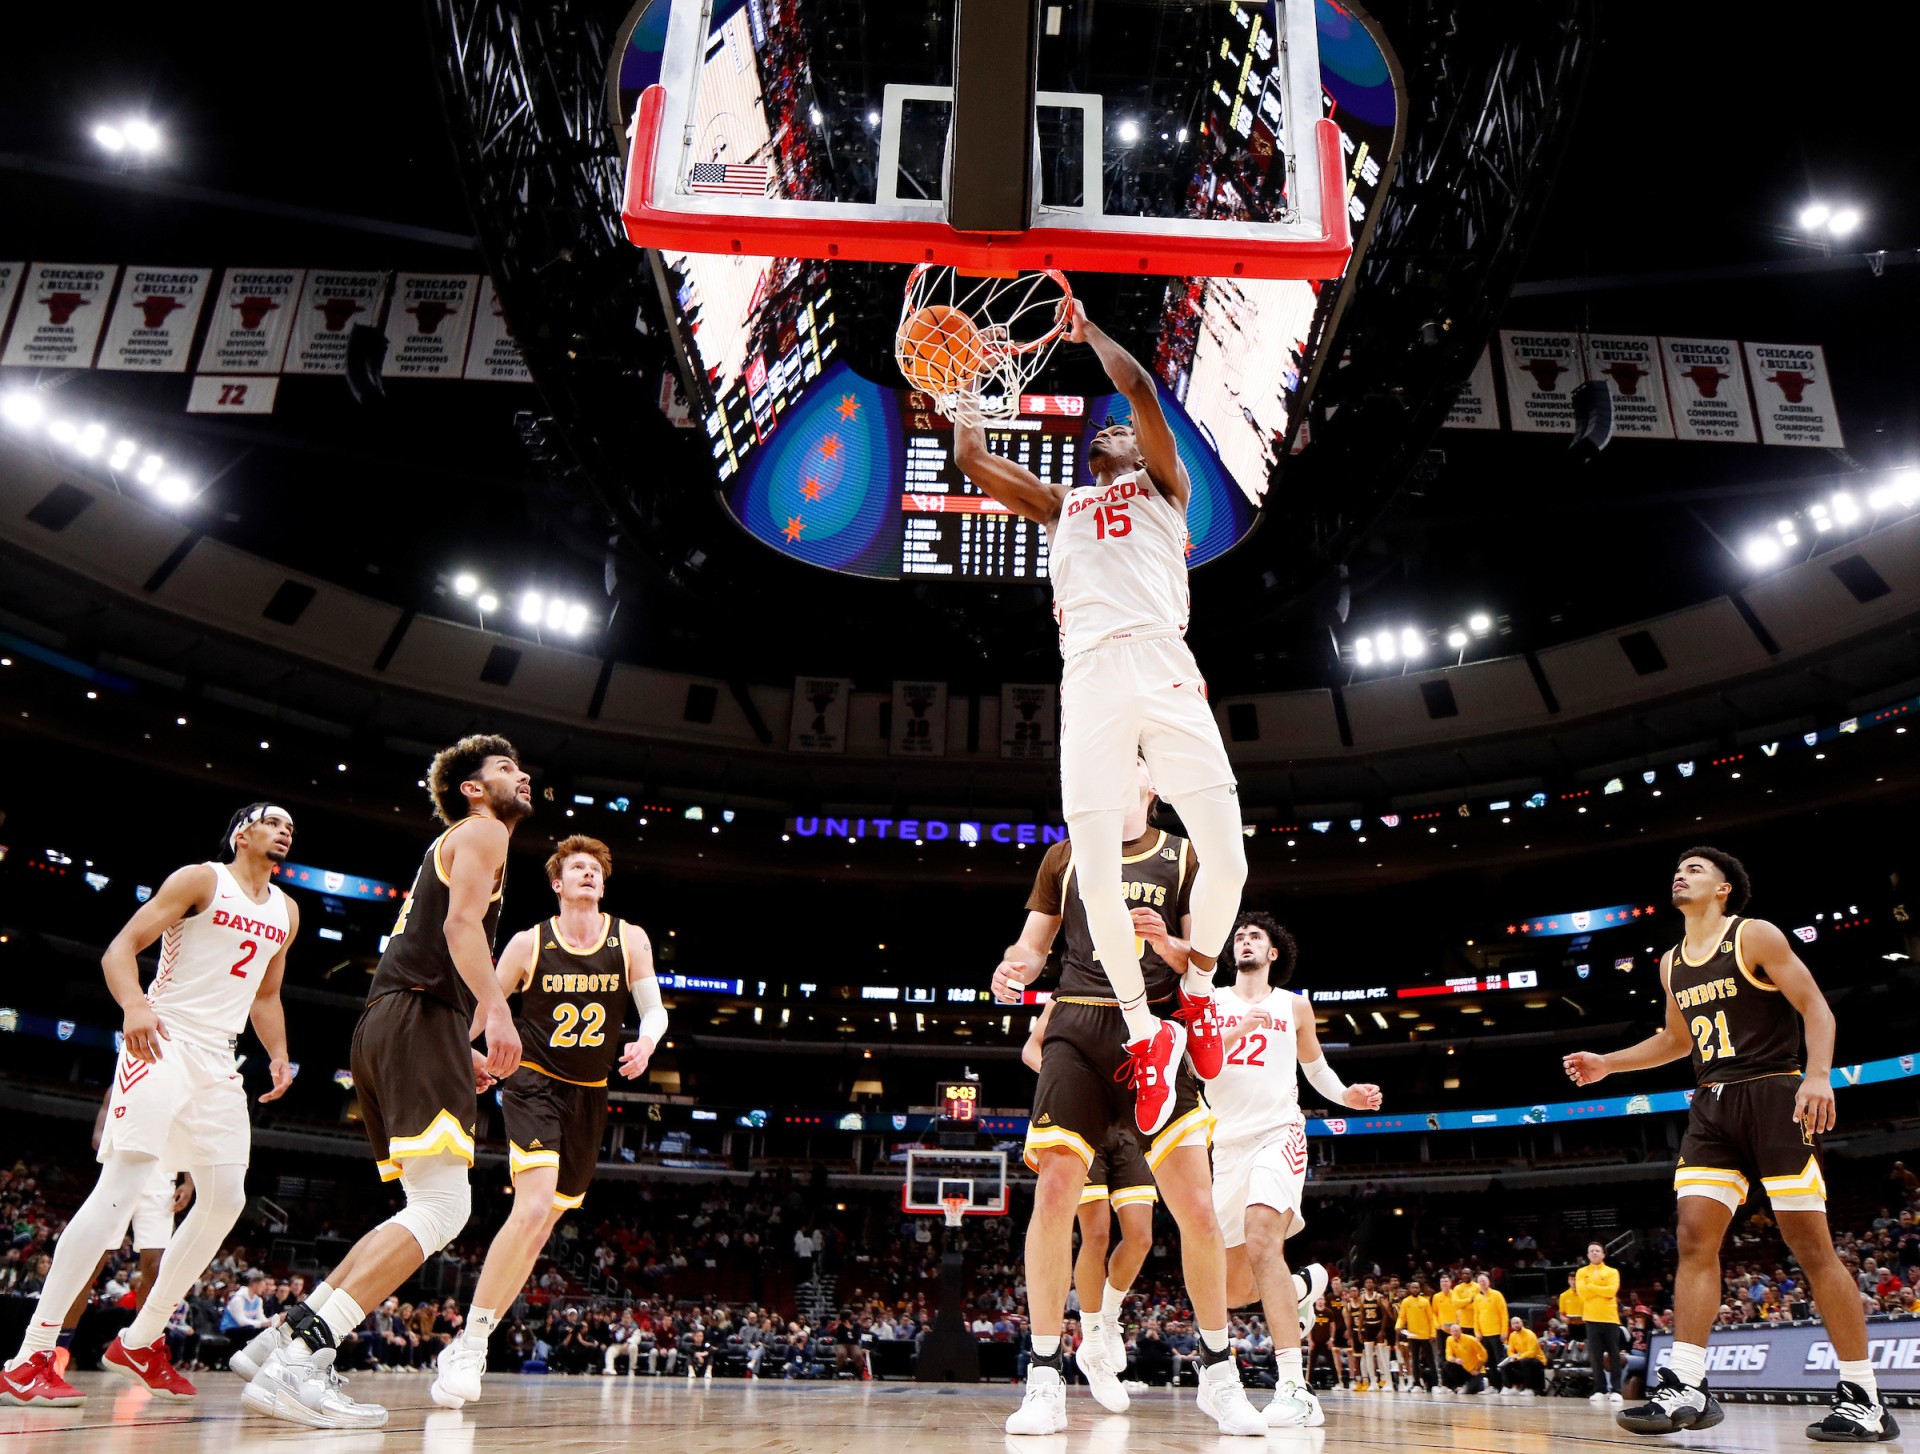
974	342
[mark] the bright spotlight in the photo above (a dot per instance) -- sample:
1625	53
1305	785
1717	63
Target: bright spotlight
1844	221
1814	214
1845	509
1763	552
63	431
1181	134
873	118
123	453
556	614
174	490
1363	652
488	601
1129	131
92	440
531	608
466	583
576	620
1906	488
149	471
1481	623
1383	645
1881	499
22	410
1457	639
1412	643
814	113
109	137
142	136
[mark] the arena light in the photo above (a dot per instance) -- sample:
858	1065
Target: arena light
1129	131
1480	623
1181	134
532	607
1844	221
465	583
1457	639
22	410
109	138
1363	652
556	614
91	440
814	115
576	622
1815	215
1383	645
1846	510
1763	552
1412	643
488	602
63	431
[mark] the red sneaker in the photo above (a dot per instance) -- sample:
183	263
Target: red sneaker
1149	1068
36	1382
1206	1048
61	1358
150	1367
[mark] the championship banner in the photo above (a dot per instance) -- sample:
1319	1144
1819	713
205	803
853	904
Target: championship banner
919	719
153	323
1794	395
1542	372
1707	382
819	714
232	394
252	321
1476	407
1029	721
61	316
1631	366
493	354
427	325
10	275
331	304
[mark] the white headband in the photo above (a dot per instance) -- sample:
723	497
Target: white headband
254	817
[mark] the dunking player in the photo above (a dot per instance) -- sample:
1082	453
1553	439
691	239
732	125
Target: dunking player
574	974
1118	1185
1080	1099
1260	1148
1738	998
418	1079
176	1097
1129	684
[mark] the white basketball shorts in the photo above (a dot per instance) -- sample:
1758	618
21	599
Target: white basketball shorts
1269	1173
152	1215
187	1108
1130	696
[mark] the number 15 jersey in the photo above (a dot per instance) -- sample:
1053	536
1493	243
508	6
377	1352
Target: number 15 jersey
572	1002
1257	1093
1118	558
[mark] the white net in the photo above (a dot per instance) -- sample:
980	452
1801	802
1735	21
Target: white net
973	343
955	1208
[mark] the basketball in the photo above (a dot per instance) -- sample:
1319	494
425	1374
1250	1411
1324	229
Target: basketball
939	349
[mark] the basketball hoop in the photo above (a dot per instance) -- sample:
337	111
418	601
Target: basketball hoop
955	1207
973	342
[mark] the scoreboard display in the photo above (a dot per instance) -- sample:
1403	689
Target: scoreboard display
959	1100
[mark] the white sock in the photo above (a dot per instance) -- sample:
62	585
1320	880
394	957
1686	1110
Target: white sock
1198	983
1215	1339
1046	1345
1112	1301
1861	1372
341	1314
322	1290
481	1322
1689	1363
1286	1363
1092	1323
1142	1023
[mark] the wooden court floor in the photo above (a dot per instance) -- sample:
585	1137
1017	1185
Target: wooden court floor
588	1415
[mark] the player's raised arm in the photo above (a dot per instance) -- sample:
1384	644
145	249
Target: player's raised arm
1772	953
1013	485
1150	428
1669	1043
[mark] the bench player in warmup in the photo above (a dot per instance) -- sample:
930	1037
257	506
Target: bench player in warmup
1084	1094
575	974
1260	1149
1738	1000
1118	557
225	929
418	1079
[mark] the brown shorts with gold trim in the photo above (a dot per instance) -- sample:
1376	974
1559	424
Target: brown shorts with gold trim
1118	1173
1744	1131
412	1069
1079	1101
554	1122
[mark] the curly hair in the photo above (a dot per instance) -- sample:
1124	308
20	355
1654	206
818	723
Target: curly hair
457	764
1281	940
1732	870
580	843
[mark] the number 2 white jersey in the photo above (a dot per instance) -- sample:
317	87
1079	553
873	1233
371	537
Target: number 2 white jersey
1257	1093
211	962
1118	558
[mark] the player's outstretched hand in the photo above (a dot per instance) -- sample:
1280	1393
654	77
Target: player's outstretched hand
1073	313
1813	1104
142	1032
1584	1067
282	1074
1363	1097
633	1060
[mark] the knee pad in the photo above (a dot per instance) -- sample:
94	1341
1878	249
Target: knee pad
439	1200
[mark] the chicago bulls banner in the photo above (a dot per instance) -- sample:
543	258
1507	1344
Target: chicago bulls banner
1629	364
919	719
330	305
1542	370
252	321
10	275
819	714
1707	382
1794	395
61	313
1476	407
427	325
493	354
153	323
1029	721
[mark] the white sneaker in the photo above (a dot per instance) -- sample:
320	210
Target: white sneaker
1294	1406
460	1367
300	1387
1314	1275
260	1349
1616	1397
1596	1398
1093	1359
1044	1410
1222	1399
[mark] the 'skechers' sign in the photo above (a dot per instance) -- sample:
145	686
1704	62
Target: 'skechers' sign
1780	1359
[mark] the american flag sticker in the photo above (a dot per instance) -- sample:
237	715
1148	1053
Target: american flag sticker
744	180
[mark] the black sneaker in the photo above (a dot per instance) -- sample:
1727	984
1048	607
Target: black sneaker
1855	1419
1672	1407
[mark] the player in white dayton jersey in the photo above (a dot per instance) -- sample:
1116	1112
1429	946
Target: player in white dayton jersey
1118	556
1260	1148
176	1098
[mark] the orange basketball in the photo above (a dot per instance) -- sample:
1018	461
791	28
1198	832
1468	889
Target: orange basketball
939	350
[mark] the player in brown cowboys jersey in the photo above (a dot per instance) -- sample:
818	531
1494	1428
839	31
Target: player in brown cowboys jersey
575	974
1738	998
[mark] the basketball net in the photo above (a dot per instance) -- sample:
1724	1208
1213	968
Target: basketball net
956	1208
974	342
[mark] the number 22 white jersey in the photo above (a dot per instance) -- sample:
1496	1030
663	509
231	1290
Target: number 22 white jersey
1118	558
1257	1092
211	962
